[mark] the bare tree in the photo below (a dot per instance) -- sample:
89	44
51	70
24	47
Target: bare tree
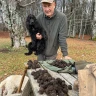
94	19
13	21
81	17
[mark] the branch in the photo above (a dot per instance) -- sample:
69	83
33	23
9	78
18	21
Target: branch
18	2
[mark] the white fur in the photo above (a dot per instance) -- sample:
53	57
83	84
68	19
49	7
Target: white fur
11	83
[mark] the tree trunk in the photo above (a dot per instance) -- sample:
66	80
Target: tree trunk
63	7
17	41
74	26
13	21
94	20
80	33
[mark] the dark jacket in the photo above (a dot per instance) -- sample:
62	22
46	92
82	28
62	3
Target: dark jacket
56	28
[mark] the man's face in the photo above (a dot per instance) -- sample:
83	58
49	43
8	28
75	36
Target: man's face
48	8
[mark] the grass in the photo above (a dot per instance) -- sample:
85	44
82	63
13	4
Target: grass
82	50
12	60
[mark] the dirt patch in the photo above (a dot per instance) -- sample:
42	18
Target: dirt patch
4	34
4	50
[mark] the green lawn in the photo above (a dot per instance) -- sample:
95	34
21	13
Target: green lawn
12	60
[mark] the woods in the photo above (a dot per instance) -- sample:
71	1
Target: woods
81	16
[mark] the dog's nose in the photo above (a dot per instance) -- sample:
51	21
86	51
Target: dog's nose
31	21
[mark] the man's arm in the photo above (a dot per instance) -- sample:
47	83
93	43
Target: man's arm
63	33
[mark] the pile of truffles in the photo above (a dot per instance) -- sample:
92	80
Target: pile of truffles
33	64
50	85
60	63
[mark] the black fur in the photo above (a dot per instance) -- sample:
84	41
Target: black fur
34	27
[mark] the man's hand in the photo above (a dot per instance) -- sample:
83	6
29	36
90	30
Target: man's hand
67	57
39	36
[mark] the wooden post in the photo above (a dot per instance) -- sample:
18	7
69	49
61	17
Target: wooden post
19	88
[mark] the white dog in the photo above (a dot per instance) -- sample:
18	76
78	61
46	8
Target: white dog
11	84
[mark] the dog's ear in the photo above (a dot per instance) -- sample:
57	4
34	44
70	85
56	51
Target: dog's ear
27	23
29	17
33	17
29	20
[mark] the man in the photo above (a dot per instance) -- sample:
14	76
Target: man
55	24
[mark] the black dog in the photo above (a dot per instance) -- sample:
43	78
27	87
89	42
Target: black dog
34	27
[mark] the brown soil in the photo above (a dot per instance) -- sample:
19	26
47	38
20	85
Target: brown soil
76	47
4	34
4	50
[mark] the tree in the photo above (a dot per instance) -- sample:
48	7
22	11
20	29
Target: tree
13	21
94	20
81	16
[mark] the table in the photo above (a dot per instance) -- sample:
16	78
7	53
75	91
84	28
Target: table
68	78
